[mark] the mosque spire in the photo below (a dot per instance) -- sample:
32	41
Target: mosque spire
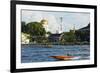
74	28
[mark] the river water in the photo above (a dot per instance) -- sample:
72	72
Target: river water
42	54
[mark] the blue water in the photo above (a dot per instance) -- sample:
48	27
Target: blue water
37	54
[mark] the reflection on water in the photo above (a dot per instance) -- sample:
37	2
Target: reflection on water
37	54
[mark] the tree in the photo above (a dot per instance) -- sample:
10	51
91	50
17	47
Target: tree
69	37
36	29
49	32
23	27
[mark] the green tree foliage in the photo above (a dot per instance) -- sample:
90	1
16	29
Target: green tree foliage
23	27
37	32
35	29
69	37
48	33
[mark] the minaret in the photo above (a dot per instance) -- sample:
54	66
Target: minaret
74	28
45	24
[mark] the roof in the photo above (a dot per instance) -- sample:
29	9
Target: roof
85	28
55	35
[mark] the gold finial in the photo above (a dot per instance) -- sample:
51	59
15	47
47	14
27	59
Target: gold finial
44	22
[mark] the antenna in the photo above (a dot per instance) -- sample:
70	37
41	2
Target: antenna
61	24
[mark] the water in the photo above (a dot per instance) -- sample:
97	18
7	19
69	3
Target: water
37	54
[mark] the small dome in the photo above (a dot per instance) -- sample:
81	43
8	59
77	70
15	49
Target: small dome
44	22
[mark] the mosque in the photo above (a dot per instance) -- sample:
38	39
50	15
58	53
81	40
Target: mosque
55	37
45	24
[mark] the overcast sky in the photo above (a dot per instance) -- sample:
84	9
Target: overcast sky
69	19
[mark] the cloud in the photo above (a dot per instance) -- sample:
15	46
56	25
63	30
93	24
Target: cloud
78	19
30	16
69	19
52	23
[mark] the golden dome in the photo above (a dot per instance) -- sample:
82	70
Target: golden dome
44	22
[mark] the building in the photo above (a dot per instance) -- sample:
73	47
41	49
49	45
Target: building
55	37
24	38
83	34
45	24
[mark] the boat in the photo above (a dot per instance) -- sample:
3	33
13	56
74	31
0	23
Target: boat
66	58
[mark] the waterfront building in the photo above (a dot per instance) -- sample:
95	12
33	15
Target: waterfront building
83	34
25	38
55	37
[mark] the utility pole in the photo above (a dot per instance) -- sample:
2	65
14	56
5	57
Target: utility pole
74	28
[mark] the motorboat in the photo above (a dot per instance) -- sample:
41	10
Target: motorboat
65	58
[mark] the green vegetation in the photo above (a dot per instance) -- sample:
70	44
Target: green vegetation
69	37
23	27
35	30
38	34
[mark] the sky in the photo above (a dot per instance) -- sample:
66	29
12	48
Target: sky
69	19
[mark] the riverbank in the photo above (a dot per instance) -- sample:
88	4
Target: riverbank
47	45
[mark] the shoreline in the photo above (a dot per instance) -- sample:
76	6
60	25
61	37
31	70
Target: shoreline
48	45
